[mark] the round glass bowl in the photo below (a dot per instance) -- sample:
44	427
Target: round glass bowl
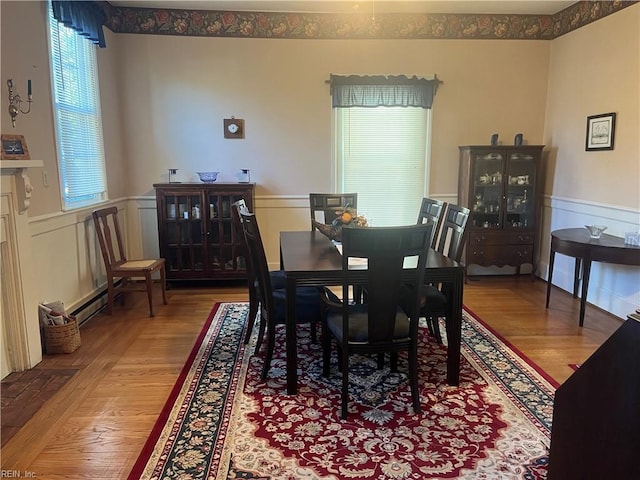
208	177
595	230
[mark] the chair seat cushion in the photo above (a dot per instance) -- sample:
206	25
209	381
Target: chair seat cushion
309	304
278	279
358	324
432	300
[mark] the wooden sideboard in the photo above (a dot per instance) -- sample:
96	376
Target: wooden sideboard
196	232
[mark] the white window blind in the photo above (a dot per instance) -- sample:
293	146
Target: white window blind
382	154
76	104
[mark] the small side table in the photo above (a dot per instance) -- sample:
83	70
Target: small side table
577	243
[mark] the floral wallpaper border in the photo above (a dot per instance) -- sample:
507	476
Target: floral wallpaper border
210	23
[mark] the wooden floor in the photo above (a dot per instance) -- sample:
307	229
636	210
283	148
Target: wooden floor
96	424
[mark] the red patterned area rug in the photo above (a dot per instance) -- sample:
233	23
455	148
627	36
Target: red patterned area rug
222	422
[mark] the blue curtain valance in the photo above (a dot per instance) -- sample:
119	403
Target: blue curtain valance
87	18
382	91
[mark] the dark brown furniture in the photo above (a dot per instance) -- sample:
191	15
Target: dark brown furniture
502	187
118	267
596	413
323	206
576	242
431	210
309	258
307	300
449	241
196	232
379	325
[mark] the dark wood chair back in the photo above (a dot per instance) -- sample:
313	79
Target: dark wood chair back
109	237
451	236
432	210
238	207
379	325
323	206
258	260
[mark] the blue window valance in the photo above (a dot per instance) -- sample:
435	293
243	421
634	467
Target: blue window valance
382	91
87	18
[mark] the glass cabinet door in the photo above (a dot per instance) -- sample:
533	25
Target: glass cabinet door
184	230
487	190
225	249
520	193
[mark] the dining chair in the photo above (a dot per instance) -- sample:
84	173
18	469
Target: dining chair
118	267
450	243
309	305
323	206
378	326
431	210
278	280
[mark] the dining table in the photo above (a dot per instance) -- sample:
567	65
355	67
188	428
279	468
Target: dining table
309	258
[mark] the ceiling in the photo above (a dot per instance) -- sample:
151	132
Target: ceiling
533	7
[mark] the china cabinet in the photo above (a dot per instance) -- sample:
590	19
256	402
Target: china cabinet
196	232
502	186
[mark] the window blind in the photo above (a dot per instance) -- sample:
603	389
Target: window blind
76	104
381	154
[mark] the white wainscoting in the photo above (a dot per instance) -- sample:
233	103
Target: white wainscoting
70	268
67	253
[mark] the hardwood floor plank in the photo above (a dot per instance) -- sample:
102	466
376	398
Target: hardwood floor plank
98	421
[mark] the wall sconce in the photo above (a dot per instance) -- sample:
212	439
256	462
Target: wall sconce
15	102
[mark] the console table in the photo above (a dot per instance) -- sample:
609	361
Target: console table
577	243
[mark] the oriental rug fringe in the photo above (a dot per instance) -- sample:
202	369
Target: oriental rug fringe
222	422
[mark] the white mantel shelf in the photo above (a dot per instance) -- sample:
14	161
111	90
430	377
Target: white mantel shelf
23	184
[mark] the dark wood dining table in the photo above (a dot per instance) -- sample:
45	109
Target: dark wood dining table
309	258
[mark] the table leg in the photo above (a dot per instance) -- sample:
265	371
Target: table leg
291	340
552	258
454	330
586	271
576	276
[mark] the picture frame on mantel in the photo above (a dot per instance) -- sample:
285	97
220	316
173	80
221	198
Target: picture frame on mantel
601	131
14	147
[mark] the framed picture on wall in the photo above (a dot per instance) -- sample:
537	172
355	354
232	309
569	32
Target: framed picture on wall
600	131
14	147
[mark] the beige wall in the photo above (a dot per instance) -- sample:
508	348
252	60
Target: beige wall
595	70
24	55
174	102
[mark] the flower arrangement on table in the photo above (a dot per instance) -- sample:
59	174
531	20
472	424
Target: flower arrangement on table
345	216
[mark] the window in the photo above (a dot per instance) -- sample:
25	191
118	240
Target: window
381	154
382	132
76	106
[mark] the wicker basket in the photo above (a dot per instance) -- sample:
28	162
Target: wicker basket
61	338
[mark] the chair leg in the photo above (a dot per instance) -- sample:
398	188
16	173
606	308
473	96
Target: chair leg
260	334
163	284
345	385
271	338
253	313
314	333
380	361
394	361
434	323
326	352
110	295
149	283
413	379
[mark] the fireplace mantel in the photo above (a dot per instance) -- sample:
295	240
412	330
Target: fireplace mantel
23	184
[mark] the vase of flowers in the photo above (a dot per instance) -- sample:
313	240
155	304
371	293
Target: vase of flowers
346	216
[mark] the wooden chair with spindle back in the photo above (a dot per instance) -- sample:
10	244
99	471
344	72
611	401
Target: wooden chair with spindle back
116	264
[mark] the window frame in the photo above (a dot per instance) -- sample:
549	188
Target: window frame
67	170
